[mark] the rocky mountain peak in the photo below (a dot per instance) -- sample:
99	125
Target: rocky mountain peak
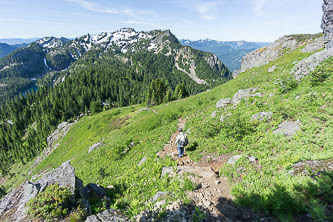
327	23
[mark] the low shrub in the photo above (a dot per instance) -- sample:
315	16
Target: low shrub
53	202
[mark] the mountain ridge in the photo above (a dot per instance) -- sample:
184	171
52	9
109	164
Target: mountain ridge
55	55
230	52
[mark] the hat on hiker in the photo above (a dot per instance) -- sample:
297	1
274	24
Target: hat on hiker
180	129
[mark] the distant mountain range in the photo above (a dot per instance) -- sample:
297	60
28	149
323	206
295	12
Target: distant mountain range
230	52
16	41
154	54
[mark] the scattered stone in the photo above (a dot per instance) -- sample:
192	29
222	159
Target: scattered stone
110	187
109	215
167	170
143	109
92	218
297	97
309	64
233	160
244	93
223	103
213	115
95	146
262	116
327	23
223	117
252	159
288	128
217	182
272	69
313	167
142	161
158	195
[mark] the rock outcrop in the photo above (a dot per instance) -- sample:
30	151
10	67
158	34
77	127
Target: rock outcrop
264	55
327	23
95	146
12	206
309	64
311	167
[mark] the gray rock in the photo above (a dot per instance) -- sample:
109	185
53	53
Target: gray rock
262	116
213	115
269	53
272	69
223	103
288	128
223	117
142	161
62	129
233	160
111	215
158	195
244	93
12	206
308	65
92	218
167	170
327	23
311	167
143	109
252	159
214	62
315	45
64	176
95	146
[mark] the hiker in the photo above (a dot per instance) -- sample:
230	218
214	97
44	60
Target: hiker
181	142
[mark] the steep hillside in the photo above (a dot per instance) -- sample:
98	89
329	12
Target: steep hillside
264	55
55	56
267	135
230	53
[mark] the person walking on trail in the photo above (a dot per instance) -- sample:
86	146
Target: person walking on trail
181	142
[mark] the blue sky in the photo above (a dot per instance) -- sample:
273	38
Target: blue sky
251	20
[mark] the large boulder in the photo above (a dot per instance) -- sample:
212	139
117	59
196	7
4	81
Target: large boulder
288	128
327	23
12	206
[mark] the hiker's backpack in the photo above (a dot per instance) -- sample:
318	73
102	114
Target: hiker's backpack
183	140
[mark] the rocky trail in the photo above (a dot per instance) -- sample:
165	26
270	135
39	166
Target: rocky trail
212	194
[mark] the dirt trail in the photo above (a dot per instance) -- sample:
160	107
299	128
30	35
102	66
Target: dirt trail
211	188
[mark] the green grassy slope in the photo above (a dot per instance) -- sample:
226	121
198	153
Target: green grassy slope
265	186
